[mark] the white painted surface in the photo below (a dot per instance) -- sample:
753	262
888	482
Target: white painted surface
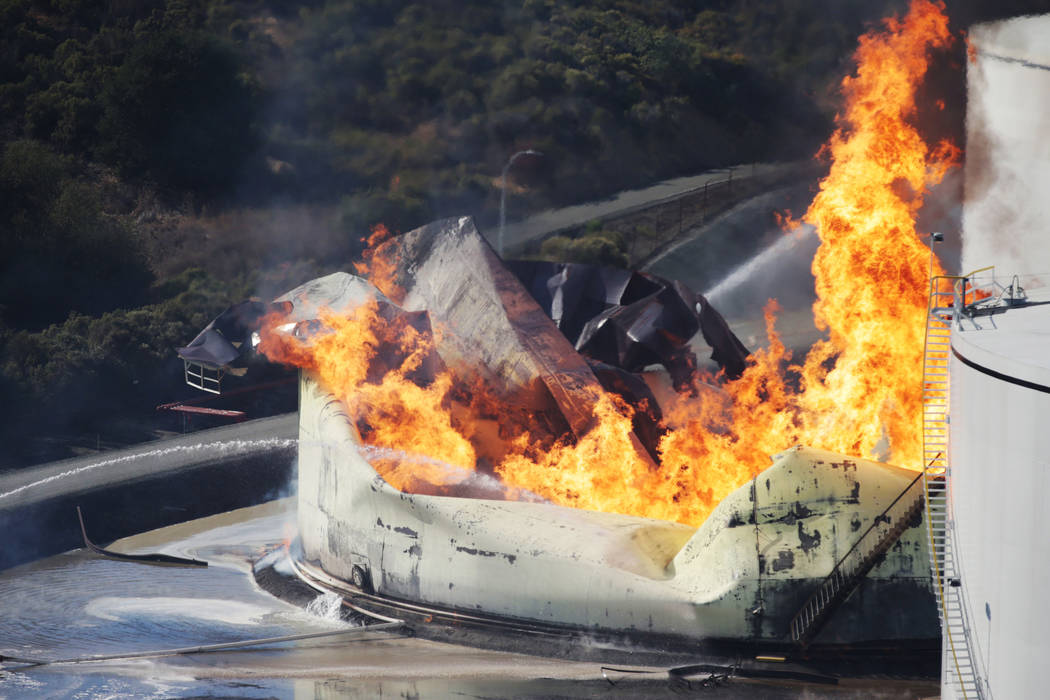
1000	429
729	579
1000	457
1013	343
336	292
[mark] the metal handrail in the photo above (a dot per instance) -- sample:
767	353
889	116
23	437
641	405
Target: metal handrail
842	571
200	376
878	519
935	402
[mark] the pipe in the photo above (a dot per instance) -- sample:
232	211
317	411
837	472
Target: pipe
207	648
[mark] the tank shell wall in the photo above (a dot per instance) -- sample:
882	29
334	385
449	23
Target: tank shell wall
1000	431
1000	479
799	517
512	559
741	576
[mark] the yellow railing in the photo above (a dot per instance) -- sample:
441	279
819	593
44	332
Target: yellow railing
947	305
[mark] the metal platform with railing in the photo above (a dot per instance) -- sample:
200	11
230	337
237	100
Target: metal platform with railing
202	376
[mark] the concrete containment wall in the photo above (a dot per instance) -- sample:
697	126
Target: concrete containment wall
151	485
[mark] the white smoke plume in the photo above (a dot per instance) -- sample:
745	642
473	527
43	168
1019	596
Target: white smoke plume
1006	216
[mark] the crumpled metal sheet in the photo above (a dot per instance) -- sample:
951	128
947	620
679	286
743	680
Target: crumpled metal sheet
210	348
340	292
631	319
228	337
491	326
726	349
620	321
633	389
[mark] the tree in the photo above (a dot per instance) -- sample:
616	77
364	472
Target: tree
60	252
177	110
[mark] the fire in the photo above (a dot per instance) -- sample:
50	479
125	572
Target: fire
858	392
353	358
377	268
971	50
871	275
872	267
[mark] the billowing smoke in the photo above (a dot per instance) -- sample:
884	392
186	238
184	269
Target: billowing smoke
1006	217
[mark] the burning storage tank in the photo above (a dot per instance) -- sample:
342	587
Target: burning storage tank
818	552
439	405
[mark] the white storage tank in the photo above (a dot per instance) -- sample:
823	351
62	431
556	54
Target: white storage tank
999	447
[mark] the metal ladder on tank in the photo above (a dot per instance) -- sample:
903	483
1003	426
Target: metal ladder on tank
945	305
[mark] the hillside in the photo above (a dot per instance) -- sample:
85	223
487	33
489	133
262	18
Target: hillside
162	158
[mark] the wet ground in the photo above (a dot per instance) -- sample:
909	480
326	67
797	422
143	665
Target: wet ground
78	605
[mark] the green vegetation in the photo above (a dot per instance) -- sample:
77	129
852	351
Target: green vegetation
593	245
87	372
161	158
61	252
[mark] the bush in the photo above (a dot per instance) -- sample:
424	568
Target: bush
399	210
63	252
178	111
596	247
87	374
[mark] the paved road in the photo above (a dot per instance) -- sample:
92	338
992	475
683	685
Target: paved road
521	232
80	474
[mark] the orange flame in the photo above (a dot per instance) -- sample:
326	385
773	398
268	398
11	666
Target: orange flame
857	392
872	267
378	268
391	407
971	49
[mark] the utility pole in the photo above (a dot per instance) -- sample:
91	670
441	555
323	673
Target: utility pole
503	193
